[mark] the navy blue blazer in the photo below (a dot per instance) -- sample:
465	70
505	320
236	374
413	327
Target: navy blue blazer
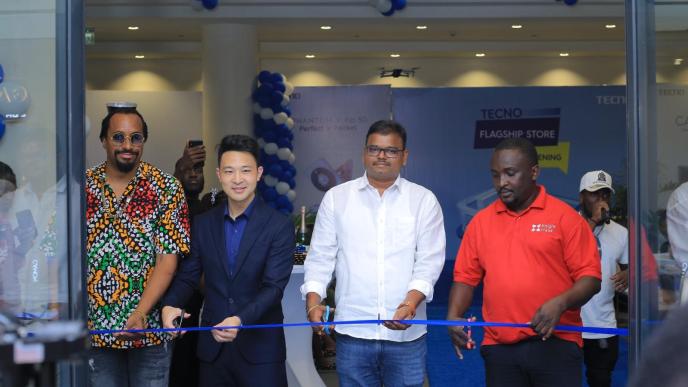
254	292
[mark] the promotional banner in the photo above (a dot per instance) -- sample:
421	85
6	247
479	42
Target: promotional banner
329	133
452	133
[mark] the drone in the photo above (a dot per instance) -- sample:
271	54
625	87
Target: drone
396	73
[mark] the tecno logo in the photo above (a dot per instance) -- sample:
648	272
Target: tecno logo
611	99
501	113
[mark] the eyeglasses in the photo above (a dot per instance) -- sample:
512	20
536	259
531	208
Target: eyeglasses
134	138
374	151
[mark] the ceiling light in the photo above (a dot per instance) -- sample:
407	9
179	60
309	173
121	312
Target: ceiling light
480	54
609	26
133	28
517	26
394	55
563	54
139	56
421	27
678	61
310	56
325	27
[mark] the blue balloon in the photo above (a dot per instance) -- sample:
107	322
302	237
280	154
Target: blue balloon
292	183
292	169
268	125
265	89
398	4
287	175
276	78
284	143
275	170
264	76
270	194
285	208
269	135
570	2
261	186
285	165
2	74
286	110
291	136
276	97
270	160
279	86
209	4
2	126
282	201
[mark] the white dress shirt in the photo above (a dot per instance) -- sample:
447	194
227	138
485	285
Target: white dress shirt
381	247
677	223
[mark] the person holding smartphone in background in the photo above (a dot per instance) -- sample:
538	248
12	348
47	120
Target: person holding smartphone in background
189	171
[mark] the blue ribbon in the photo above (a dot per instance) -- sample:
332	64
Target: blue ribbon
566	328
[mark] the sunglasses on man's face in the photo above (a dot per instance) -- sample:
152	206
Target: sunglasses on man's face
134	138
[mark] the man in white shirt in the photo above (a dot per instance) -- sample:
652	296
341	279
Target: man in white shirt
601	351
383	236
677	223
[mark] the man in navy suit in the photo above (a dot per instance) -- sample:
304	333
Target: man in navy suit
245	250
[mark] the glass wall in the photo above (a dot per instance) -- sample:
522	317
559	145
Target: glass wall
657	45
41	169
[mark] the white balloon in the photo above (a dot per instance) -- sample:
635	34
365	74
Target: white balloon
270	181
383	5
285	100
291	195
288	88
282	188
284	78
280	118
256	108
270	148
292	158
290	123
283	153
261	142
266	113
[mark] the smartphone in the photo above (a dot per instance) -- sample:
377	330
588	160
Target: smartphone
193	143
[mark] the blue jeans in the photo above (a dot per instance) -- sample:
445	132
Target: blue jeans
372	363
136	367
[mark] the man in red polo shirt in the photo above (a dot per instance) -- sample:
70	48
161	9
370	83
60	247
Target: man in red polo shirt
539	264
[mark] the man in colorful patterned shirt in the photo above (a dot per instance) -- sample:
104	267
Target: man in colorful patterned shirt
137	227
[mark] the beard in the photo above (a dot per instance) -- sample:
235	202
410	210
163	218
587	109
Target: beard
125	167
586	211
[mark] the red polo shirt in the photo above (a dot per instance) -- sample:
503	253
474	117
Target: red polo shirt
524	260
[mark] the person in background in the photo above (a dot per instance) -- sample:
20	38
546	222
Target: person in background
189	171
600	351
677	228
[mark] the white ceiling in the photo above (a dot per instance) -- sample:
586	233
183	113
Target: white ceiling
456	28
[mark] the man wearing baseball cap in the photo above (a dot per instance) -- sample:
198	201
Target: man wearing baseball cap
601	351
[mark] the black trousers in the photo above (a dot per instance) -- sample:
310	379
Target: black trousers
230	369
600	360
533	363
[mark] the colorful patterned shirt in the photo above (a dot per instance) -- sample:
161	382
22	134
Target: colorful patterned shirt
124	236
